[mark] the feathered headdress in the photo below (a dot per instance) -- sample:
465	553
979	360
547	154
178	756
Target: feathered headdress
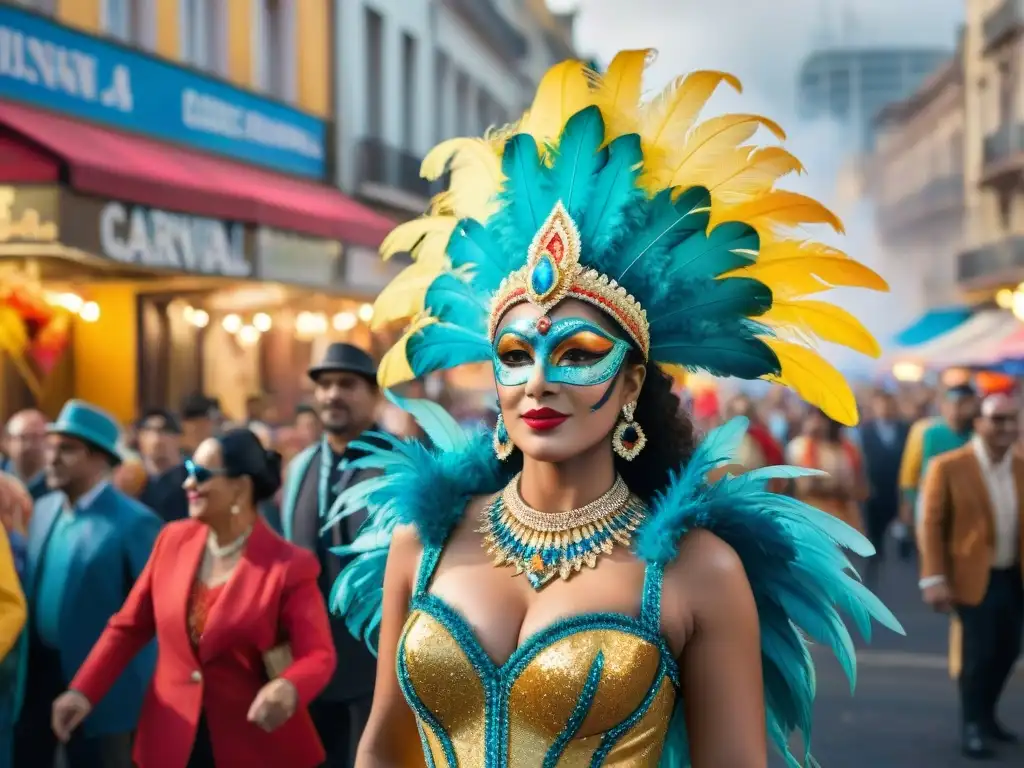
672	226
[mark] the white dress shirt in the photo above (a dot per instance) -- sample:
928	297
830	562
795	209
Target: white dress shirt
1002	493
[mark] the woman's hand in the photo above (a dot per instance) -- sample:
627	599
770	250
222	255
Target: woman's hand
69	710
274	705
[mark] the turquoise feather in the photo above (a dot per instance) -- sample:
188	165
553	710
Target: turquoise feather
615	206
704	255
726	299
723	354
577	161
451	299
472	246
526	198
438	346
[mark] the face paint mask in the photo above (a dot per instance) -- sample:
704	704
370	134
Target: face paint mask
569	351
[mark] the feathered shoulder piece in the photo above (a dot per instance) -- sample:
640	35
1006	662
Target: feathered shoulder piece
426	487
802	581
793	555
671	225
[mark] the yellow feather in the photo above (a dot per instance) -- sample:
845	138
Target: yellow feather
476	176
826	321
562	93
794	276
815	380
777	210
753	175
617	92
421	237
706	148
402	298
671	114
394	367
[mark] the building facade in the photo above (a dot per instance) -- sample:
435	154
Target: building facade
412	73
852	85
167	201
917	187
993	257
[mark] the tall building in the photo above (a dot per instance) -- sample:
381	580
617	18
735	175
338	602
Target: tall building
412	73
167	205
851	85
916	182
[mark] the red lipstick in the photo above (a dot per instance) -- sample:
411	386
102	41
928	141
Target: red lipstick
543	419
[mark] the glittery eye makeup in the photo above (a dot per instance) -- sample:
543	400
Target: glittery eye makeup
570	351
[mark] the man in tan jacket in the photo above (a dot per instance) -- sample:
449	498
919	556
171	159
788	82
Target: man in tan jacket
971	537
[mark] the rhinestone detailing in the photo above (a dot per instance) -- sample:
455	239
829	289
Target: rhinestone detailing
543	545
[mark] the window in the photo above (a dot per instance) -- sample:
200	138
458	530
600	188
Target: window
43	6
275	49
442	104
203	34
409	71
130	21
374	72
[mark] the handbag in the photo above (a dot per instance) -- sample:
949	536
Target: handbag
277	660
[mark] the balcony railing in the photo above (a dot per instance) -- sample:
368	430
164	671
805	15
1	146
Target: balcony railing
1004	259
1003	22
1004	144
488	21
940	197
389	167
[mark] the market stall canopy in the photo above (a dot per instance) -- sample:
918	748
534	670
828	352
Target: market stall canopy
109	164
944	350
931	325
986	350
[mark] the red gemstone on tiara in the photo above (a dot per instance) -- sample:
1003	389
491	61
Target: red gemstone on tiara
543	325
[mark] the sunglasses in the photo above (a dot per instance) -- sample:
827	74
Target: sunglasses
202	474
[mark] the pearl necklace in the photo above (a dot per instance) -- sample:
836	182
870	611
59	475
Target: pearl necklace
543	545
229	549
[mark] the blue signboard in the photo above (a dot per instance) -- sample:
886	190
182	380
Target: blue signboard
44	63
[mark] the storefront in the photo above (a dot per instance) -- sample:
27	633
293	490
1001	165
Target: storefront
175	230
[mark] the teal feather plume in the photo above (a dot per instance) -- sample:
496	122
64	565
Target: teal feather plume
615	207
723	354
578	159
526	198
451	299
710	254
472	246
439	346
730	300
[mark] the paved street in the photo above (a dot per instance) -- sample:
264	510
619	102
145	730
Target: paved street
904	712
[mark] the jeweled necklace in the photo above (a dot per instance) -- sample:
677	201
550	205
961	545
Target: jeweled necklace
543	545
229	549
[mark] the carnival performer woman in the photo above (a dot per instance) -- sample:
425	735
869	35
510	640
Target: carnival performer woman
571	590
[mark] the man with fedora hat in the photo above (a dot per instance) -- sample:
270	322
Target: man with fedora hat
87	543
346	397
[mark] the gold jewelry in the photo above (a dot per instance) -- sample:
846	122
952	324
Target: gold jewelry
628	439
543	545
502	443
553	272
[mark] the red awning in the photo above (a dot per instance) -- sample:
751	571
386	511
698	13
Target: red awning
129	168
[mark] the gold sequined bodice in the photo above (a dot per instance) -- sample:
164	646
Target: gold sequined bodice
592	690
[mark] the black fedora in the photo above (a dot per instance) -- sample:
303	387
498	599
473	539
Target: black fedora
345	358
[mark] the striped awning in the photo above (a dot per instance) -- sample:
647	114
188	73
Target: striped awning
931	325
949	349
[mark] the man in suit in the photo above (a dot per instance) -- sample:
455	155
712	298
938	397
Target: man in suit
345	388
160	448
87	543
882	439
971	537
23	446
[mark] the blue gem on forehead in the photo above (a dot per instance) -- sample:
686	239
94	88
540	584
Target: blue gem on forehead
542	279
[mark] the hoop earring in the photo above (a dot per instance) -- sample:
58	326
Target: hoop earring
502	442
628	439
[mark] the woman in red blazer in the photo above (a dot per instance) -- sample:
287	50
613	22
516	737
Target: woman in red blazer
219	591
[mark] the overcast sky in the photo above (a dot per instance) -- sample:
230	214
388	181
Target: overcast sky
763	43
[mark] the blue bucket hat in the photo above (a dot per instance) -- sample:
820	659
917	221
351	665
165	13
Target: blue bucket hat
89	424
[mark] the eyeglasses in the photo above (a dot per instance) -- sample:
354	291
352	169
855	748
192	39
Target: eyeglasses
202	474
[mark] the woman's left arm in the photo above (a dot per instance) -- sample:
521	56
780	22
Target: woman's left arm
304	616
720	664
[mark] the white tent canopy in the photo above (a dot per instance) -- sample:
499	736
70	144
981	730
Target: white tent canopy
950	348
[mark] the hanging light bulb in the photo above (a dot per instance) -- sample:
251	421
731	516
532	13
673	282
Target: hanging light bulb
1004	298
200	318
89	312
344	321
248	335
366	313
261	322
231	323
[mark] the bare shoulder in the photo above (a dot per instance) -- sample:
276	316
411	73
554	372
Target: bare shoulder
709	574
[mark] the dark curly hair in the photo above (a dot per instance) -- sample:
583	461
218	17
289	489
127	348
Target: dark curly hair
671	435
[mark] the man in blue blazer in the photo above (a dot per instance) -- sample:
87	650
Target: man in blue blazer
87	543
